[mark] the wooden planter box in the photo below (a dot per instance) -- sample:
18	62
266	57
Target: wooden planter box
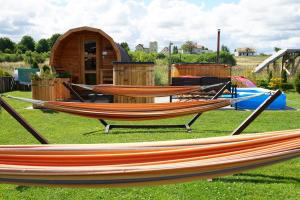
61	92
50	90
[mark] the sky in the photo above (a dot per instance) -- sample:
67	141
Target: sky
260	24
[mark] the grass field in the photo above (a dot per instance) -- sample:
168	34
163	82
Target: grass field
280	181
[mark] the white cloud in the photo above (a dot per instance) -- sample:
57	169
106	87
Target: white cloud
254	23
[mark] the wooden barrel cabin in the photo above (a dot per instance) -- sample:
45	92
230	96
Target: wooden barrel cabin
87	54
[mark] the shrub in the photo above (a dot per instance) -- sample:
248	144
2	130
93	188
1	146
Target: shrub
284	76
275	83
287	86
4	73
297	82
262	83
4	57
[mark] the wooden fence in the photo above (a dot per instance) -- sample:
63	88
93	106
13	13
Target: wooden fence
7	84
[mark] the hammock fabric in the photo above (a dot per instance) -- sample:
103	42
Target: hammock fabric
145	91
136	112
143	164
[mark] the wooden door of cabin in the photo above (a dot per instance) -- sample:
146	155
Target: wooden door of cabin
91	60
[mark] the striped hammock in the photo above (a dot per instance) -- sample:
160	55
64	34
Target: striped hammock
145	91
143	164
135	112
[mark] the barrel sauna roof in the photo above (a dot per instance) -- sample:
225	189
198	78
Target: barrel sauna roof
121	54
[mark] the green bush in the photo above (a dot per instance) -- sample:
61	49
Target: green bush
139	56
284	76
5	57
287	86
262	83
297	82
4	73
33	58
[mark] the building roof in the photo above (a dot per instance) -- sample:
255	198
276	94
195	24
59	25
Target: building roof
246	50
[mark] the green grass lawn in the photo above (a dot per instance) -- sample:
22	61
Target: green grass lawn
280	181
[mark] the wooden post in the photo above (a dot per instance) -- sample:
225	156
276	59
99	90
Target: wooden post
218	47
23	122
256	113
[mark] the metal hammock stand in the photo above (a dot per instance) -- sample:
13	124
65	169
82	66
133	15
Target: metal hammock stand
186	126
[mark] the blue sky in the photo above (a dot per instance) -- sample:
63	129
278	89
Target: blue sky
245	23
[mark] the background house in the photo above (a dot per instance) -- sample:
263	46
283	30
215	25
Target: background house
152	47
246	51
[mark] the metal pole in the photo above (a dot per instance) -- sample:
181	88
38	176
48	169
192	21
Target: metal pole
218	47
170	62
256	113
23	122
169	67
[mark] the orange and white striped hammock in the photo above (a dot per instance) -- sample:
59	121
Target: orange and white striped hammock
135	112
143	164
145	91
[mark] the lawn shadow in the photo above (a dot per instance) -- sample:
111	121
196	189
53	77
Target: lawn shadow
22	188
150	131
93	132
48	111
259	178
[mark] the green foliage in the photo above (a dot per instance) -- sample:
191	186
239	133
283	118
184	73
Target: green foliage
33	57
297	82
276	49
270	76
6	45
275	83
140	56
4	73
225	58
52	39
188	46
284	76
4	57
287	86
262	83
175	50
125	46
27	43
46	73
225	48
42	46
161	56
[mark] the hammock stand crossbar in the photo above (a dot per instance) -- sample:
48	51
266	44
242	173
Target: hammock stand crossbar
39	137
186	126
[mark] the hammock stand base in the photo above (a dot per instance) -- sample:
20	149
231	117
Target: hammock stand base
187	126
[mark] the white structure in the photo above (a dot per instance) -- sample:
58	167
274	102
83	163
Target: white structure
245	51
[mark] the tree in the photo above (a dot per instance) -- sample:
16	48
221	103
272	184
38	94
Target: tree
6	45
53	39
42	46
225	48
276	49
28	43
188	46
175	50
125	46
